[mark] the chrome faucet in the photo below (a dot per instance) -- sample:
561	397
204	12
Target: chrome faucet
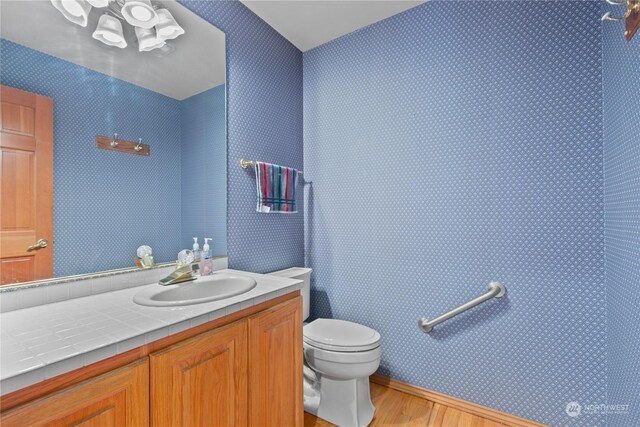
180	275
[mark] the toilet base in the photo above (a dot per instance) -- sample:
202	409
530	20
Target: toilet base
346	403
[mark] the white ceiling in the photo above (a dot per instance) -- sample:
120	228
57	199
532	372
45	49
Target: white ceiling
194	63
310	23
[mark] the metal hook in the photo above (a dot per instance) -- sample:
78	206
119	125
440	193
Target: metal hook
114	142
138	147
632	7
607	17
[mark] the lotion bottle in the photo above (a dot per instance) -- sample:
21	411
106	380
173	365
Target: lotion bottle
196	250
206	263
206	252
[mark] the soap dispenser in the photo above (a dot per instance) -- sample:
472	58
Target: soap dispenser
196	250
206	263
206	252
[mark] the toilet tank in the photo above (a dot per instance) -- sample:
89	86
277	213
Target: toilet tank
303	274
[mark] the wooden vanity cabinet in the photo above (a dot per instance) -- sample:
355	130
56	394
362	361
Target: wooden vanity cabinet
201	381
275	367
115	399
248	372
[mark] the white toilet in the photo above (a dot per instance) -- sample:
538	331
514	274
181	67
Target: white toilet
339	357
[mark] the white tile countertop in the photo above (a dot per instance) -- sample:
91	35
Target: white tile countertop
44	341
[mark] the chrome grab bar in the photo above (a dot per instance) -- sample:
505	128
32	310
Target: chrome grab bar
496	290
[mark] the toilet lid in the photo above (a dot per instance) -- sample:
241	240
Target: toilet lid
340	335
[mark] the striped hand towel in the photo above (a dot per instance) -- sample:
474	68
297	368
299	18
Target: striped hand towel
276	187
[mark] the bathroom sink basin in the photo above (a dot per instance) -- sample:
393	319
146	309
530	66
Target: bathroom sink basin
204	289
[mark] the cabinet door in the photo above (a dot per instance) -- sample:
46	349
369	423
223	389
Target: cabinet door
117	398
275	366
202	381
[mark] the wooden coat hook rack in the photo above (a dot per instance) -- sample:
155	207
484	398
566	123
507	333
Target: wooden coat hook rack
122	145
632	22
631	17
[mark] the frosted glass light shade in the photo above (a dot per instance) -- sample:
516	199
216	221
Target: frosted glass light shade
140	13
109	31
147	39
167	28
99	3
76	11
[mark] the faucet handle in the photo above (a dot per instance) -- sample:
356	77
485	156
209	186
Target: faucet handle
182	274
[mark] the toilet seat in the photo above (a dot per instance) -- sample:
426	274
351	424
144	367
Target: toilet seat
340	335
313	353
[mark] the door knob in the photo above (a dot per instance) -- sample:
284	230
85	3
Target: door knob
42	243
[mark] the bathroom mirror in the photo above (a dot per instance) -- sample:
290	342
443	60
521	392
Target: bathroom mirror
151	72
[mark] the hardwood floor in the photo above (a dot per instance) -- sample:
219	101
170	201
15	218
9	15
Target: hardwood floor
395	408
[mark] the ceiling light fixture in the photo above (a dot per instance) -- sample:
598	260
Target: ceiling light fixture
76	11
167	27
148	40
109	31
99	3
139	13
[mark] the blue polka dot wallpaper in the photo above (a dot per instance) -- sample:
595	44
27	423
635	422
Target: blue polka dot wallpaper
621	88
203	169
443	156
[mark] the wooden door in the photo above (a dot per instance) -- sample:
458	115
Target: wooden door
119	398
275	366
26	185
202	381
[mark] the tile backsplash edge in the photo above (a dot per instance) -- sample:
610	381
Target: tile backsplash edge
65	288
